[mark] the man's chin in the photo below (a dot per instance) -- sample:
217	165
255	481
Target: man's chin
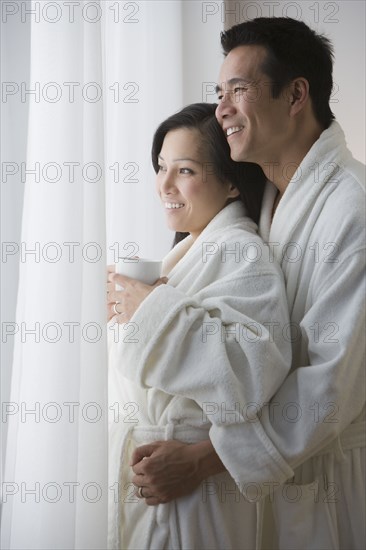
239	156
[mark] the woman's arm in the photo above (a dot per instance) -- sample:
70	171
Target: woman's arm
222	347
325	395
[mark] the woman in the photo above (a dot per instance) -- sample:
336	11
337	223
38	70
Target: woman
203	357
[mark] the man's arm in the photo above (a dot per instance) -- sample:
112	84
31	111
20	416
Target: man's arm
315	403
235	368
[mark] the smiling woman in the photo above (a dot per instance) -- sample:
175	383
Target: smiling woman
217	288
191	194
204	172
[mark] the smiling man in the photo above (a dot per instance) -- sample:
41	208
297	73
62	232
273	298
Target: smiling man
306	456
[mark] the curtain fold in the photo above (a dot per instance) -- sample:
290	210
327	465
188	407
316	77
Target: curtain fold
144	85
55	482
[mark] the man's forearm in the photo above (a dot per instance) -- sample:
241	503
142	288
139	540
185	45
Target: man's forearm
207	460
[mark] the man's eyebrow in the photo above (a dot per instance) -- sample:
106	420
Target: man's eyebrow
231	82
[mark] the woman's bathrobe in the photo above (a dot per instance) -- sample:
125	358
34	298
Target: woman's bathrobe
198	356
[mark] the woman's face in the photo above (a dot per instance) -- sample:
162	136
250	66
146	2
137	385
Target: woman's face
190	193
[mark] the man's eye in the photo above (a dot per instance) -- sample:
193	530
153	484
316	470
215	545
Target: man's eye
185	171
239	90
219	97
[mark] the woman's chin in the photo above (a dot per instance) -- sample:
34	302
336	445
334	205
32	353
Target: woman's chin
176	228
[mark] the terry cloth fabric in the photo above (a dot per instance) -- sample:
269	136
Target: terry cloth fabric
208	350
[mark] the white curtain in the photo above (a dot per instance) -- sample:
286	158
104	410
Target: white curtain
103	74
143	81
161	55
55	482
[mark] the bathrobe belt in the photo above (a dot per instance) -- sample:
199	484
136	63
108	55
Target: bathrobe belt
353	437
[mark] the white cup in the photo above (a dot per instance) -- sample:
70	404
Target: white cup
145	270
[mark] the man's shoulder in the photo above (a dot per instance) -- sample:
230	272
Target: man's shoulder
341	182
345	193
329	160
352	175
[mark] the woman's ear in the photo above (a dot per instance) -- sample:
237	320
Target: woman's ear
233	191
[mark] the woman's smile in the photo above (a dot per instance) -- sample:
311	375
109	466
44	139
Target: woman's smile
191	194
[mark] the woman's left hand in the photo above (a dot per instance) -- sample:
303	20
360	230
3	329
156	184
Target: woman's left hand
127	301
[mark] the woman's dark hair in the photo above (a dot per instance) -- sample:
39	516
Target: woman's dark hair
293	50
247	177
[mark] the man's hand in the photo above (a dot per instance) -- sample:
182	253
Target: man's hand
166	470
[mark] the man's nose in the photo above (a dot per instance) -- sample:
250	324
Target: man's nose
225	108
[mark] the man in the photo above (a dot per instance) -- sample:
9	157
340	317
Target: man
306	453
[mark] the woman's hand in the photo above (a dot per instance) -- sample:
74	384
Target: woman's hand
126	301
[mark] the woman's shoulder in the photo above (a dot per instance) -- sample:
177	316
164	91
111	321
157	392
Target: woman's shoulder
231	220
243	230
239	248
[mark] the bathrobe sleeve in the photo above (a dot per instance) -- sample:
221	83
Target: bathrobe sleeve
320	398
329	389
226	347
324	392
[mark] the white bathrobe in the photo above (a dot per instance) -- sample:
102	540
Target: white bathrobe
198	357
313	433
318	237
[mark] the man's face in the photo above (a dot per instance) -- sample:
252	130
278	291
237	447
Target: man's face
256	125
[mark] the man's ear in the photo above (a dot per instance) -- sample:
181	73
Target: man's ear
298	94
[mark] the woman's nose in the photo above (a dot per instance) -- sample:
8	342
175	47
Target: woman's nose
167	183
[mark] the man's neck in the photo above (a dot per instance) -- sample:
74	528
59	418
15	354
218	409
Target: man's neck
281	171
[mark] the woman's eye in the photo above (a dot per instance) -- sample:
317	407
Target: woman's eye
162	168
185	171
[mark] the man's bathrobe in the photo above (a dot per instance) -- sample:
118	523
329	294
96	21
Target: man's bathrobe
316	420
198	356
